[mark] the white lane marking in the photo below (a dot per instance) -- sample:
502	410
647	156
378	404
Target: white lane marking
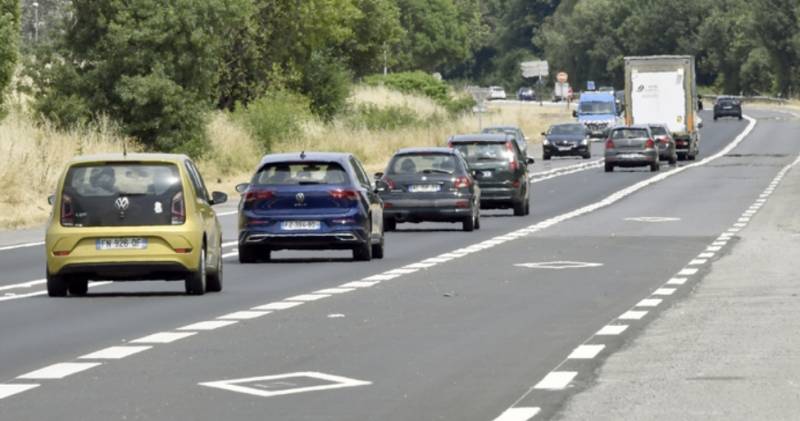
400	271
558	172
653	219
559	265
162	337
115	352
231	254
705	255
7	390
585	352
374	279
336	316
442	259
664	291
244	315
649	302
228	213
58	371
632	315
734	229
419	265
208	325
333	382
611	330
714	248
719	243
518	414
687	272
677	281
230	244
744	219
18	296
334	290
696	262
28	284
279	305
360	284
19	246
308	297
739	225
556	380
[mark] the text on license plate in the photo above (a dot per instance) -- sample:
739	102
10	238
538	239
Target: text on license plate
424	188
630	156
300	225
121	243
486	173
565	148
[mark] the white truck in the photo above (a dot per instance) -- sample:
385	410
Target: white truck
662	90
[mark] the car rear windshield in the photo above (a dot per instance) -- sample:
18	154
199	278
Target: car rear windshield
123	194
489	151
568	129
423	163
658	130
301	173
629	134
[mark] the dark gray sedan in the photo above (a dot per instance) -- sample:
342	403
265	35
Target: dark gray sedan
631	146
429	184
568	139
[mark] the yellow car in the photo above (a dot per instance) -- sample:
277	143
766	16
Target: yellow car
133	217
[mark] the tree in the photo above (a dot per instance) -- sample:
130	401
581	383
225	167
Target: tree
376	35
9	44
776	27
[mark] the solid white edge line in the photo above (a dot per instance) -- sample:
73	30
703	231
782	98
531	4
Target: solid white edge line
162	337
308	297
518	414
20	246
244	315
58	371
278	305
208	325
8	390
28	284
115	352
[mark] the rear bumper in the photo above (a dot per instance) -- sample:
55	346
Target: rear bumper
735	112
554	150
427	214
340	239
130	271
499	197
631	158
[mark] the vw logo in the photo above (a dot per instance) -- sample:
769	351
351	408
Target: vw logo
122	203
300	197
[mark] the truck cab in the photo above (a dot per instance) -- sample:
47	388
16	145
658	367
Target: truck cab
598	112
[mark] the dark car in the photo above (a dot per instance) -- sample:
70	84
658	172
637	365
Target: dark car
667	150
631	146
429	184
726	106
567	139
526	93
500	169
516	132
310	201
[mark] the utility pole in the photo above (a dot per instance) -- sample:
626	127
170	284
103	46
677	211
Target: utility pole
385	60
35	22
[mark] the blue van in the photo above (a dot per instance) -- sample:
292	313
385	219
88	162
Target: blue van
599	112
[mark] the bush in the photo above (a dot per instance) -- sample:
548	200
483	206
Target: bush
326	82
9	40
372	117
412	83
275	116
460	105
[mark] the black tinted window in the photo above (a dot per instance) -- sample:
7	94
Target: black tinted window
486	151
629	134
423	163
297	173
571	129
658	130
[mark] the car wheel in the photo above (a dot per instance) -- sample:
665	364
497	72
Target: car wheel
654	167
377	249
389	224
363	252
478	220
546	157
740	116
587	156
609	168
528	207
195	282
691	157
56	286
673	159
715	118
214	280
519	208
78	286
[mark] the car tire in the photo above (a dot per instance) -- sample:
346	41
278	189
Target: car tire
691	157
377	249
609	168
363	252
56	286
468	223
78	286
195	283
587	156
389	224
715	118
740	116
546	157
673	159
527	207
519	208
478	220
214	278
654	167
249	254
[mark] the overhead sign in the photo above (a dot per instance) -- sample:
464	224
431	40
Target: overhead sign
538	68
562	77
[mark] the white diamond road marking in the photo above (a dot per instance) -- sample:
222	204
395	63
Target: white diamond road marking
586	352
558	265
664	291
677	281
518	414
334	290
611	330
632	315
7	390
115	352
208	325
163	337
649	302
556	380
653	219
244	315
279	305
334	382
308	297
58	371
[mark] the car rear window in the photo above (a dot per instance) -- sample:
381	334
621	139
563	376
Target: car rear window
658	130
423	163
568	129
629	134
301	173
123	194
484	151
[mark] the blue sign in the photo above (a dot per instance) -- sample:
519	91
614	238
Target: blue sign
590	85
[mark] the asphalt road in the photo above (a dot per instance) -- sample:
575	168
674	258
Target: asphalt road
447	326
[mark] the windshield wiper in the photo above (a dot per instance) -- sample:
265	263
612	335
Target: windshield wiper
437	171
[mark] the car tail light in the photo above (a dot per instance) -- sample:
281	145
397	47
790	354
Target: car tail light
389	183
512	163
462	182
342	194
183	250
463	204
254	195
67	211
61	253
178	209
515	183
664	140
610	144
649	144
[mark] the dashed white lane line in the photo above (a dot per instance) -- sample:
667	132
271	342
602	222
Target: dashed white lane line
586	352
28	284
334	291
7	390
697	262
162	337
115	352
687	271
556	380
11	296
632	315
677	281
230	244
244	315
714	248
58	371
374	279
360	284
649	302
518	414
279	305
664	291
208	325
400	271
23	245
231	254
611	330
705	255
308	297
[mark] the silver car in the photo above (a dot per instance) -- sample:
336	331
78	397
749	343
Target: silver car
631	146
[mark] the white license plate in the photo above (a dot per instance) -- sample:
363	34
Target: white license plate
727	107
630	156
564	148
424	188
299	225
486	173
121	243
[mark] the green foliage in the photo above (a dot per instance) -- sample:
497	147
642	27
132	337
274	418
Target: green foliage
372	117
276	116
376	35
9	44
419	83
460	105
326	82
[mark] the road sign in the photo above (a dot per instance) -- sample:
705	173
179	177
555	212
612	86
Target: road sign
534	68
562	77
590	85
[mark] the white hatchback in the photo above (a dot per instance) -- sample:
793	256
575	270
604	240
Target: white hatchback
497	92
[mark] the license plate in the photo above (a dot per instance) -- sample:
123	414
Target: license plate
486	173
121	243
299	225
727	107
424	188
630	156
564	148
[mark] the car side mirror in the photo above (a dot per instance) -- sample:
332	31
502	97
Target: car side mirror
575	113
380	185
51	199
241	188
218	197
